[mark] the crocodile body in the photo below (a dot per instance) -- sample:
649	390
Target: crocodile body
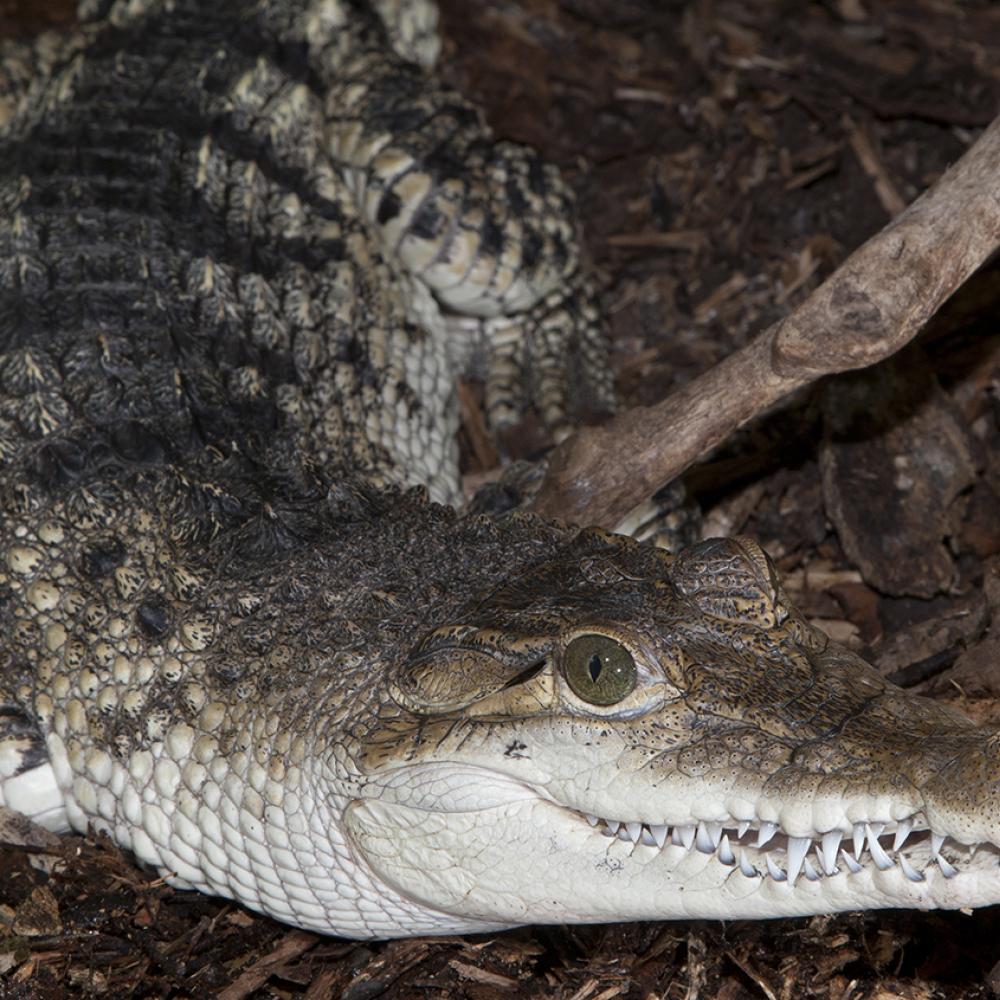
245	251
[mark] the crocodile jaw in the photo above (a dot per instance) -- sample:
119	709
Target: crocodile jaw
526	859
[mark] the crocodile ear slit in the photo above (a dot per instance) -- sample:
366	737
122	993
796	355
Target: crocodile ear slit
525	675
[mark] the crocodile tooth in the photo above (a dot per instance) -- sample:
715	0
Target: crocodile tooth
773	870
937	839
909	871
742	828
684	835
610	828
647	837
882	860
634	831
808	870
726	855
797	848
830	845
715	832
592	820
859	839
851	862
948	870
704	841
659	834
903	829
747	868
765	833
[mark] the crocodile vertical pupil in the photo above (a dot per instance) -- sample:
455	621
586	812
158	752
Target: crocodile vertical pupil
598	669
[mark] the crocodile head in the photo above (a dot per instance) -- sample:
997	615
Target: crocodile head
623	735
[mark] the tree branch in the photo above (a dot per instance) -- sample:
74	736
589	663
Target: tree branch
872	305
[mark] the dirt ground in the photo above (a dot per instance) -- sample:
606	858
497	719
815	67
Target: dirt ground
728	155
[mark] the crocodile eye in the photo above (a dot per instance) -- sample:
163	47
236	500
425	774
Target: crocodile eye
598	669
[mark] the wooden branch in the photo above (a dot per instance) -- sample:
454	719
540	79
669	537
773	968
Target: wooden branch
872	305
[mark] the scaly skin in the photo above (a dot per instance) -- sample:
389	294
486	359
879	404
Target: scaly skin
231	315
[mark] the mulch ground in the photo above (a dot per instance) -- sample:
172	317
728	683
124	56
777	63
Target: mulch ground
728	155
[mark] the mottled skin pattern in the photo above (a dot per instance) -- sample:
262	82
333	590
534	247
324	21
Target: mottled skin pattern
245	250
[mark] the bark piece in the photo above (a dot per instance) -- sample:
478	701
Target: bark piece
38	915
925	640
977	668
895	456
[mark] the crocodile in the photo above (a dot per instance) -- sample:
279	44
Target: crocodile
246	249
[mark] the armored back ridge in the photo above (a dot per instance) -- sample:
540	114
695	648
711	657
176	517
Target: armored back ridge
245	251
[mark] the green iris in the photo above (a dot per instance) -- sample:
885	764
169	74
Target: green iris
599	670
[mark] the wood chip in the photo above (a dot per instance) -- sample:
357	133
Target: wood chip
732	286
691	240
744	964
613	991
586	991
864	149
806	177
38	915
288	947
478	975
